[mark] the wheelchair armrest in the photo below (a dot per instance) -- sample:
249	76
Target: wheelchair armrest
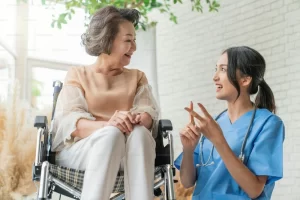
165	125
40	122
164	154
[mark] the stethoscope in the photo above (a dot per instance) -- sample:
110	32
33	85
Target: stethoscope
242	154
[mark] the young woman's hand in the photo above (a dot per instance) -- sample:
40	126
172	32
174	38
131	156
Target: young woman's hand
190	135
144	119
207	125
123	120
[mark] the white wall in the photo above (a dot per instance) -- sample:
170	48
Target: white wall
187	54
145	57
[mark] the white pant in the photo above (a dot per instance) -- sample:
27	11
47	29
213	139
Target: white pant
101	154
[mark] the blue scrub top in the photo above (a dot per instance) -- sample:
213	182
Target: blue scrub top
263	156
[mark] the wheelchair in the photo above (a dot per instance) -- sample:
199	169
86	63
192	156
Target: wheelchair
68	182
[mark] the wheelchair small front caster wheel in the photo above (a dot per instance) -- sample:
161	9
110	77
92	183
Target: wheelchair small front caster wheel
157	192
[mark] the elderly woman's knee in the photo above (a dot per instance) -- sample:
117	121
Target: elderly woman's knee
140	129
141	134
109	135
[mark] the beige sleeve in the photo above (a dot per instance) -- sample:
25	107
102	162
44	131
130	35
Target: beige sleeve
72	78
144	101
71	106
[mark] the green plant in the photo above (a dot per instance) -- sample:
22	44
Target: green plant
36	88
144	6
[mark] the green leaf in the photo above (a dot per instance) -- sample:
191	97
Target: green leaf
143	26
63	21
216	4
62	16
144	6
156	5
146	2
173	18
162	10
68	5
153	3
153	24
53	24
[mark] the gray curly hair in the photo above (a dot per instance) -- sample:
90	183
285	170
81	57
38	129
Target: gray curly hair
104	27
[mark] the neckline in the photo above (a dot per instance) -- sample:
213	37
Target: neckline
246	114
90	68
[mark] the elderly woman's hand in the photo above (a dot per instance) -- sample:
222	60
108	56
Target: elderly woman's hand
123	120
144	119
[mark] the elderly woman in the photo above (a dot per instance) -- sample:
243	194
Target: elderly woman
106	113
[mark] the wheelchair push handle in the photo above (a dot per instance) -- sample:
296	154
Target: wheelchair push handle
57	88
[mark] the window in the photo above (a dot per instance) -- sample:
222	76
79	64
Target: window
42	88
58	45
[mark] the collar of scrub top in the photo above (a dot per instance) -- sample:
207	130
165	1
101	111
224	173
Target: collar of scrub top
241	156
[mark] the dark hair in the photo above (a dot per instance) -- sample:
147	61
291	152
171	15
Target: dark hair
250	63
104	27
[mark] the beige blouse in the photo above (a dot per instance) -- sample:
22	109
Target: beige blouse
95	96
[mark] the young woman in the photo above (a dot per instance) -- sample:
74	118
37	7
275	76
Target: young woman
239	153
105	112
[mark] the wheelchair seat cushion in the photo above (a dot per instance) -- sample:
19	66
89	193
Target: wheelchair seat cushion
74	177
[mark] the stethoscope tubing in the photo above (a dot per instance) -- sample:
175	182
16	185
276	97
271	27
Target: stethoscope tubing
242	155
